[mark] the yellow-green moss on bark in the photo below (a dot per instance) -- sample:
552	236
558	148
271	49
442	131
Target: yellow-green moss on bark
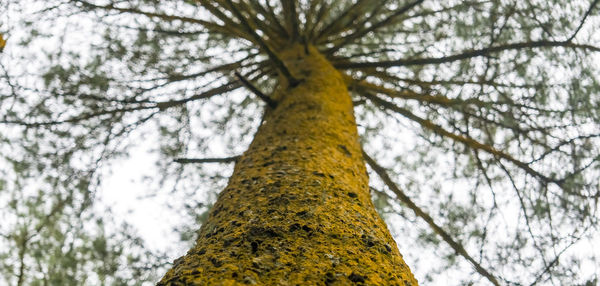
297	209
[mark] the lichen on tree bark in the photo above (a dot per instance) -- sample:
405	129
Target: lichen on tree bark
297	209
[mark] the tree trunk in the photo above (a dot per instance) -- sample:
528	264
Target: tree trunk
297	209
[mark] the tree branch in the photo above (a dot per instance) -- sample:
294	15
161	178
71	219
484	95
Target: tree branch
256	91
162	105
425	98
401	196
292	81
270	18
360	33
339	20
292	21
469	142
22	250
465	55
587	13
211	92
206	24
318	19
206	160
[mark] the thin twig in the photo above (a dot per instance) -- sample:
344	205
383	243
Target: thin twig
256	91
360	33
161	105
211	26
587	13
401	196
469	142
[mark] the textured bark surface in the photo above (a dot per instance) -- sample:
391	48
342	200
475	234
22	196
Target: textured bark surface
297	209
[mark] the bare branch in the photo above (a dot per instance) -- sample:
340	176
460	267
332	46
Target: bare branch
469	142
318	20
78	118
206	160
163	105
215	91
270	32
206	24
292	81
292	21
401	196
22	250
524	210
256	91
587	13
360	33
340	20
270	18
465	55
425	98
556	258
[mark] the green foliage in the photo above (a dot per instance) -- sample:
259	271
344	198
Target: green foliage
486	112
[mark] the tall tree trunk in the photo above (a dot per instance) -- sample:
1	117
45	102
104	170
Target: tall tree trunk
297	209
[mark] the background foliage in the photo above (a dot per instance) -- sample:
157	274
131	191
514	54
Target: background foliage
486	114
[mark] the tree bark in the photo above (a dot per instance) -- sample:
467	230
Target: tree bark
297	209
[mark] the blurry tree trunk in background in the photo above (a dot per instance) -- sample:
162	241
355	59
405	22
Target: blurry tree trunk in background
297	208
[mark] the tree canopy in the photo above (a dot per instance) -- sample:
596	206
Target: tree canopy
479	121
